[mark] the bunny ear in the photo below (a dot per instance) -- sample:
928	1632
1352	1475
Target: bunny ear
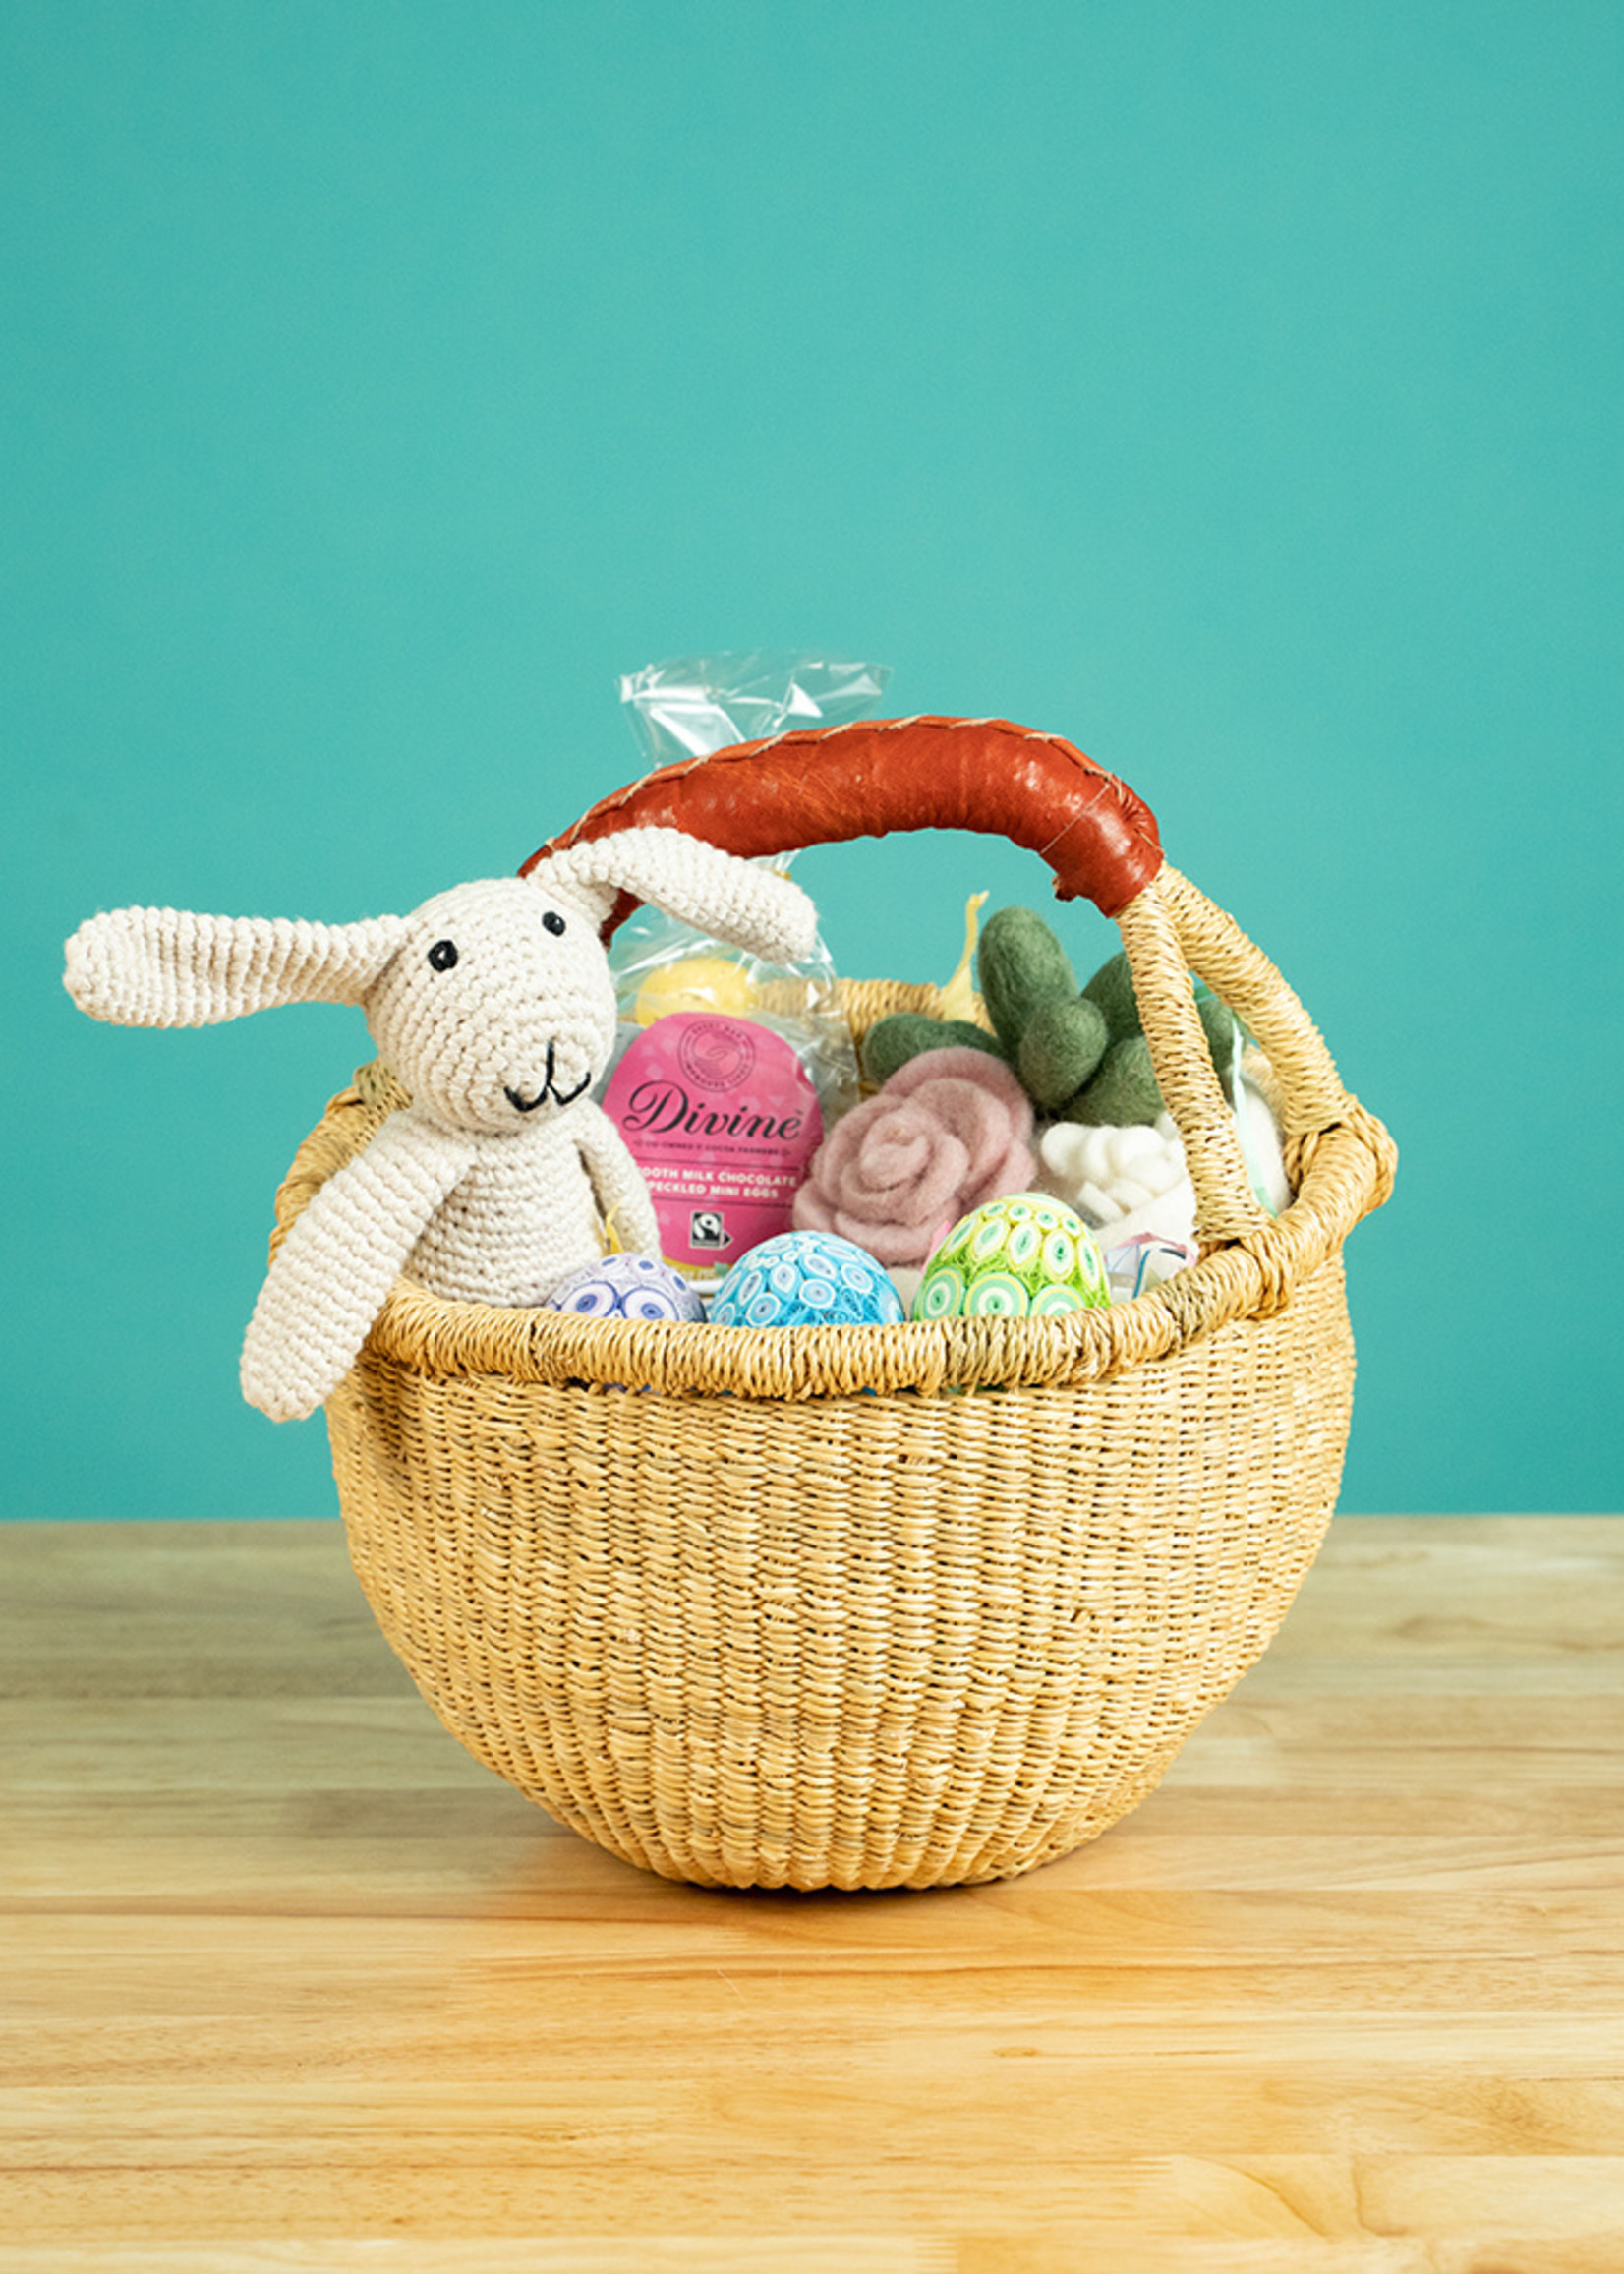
166	967
719	893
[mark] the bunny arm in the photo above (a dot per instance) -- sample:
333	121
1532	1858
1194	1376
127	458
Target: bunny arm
341	1256
617	1182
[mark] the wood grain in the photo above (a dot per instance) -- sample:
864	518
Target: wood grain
287	1981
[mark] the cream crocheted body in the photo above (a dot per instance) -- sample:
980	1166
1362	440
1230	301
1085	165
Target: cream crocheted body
523	1215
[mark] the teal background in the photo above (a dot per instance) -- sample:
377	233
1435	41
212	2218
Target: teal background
1233	389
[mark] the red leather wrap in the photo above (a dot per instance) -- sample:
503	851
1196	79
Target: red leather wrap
827	785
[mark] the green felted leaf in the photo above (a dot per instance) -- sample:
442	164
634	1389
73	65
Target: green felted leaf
1020	965
1125	1089
1112	989
1060	1049
892	1042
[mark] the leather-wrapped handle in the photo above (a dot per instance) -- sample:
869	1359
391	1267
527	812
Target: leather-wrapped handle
827	785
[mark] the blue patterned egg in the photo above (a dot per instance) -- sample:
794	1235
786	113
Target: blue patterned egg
806	1279
637	1287
1025	1258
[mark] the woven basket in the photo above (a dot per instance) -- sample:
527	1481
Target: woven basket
804	1614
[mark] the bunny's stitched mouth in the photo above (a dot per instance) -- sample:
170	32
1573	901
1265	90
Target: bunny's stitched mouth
522	1104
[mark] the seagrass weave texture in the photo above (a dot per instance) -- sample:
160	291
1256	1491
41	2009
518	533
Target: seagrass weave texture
872	1607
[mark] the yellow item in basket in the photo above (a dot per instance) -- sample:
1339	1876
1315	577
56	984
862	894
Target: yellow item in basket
958	995
697	983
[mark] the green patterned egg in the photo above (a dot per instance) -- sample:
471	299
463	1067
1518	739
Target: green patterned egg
1027	1256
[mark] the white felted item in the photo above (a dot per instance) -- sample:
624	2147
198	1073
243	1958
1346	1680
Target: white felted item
1124	1181
494	1006
1121	1179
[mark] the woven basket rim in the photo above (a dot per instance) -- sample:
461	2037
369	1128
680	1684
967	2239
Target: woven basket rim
1340	1172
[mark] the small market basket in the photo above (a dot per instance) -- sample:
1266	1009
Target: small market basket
878	1607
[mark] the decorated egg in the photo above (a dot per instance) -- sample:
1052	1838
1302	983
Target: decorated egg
1027	1256
806	1279
638	1287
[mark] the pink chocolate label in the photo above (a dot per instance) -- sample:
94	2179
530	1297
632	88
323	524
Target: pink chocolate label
723	1120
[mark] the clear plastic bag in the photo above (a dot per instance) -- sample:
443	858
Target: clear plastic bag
728	1071
692	705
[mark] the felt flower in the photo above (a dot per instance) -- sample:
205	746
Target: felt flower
950	1130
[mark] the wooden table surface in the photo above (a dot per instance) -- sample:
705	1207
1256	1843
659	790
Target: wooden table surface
289	1982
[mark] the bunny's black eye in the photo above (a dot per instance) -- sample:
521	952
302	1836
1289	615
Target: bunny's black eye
553	922
442	954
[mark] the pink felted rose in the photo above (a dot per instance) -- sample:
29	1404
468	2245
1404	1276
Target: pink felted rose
950	1130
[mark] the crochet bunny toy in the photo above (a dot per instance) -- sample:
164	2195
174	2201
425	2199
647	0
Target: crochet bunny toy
495	1005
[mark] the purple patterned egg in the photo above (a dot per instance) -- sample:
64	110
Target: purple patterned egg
635	1287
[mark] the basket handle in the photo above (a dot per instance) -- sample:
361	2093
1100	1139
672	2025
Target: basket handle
826	786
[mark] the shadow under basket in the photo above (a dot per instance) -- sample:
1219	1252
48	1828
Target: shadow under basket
874	1608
